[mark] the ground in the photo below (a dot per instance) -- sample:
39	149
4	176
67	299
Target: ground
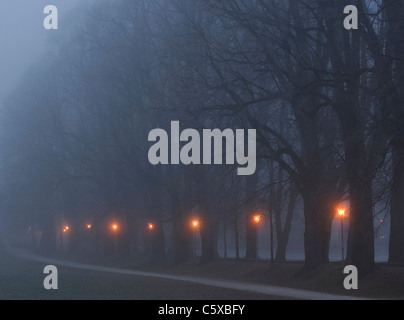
22	279
387	281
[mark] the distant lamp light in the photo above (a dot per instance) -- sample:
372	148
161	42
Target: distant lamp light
150	226
341	212
195	223
89	226
257	218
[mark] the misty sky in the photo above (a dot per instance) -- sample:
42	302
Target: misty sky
22	35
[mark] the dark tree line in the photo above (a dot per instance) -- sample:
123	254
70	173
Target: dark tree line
327	104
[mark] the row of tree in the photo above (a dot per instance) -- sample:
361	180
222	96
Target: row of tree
327	105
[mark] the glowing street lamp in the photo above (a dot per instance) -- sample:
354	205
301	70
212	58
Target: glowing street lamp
88	226
150	226
62	237
257	218
115	229
195	225
341	213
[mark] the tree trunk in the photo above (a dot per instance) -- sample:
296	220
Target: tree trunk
207	239
359	177
271	228
181	234
48	239
157	241
318	221
251	237
251	227
395	116
396	244
224	238
361	228
236	236
283	234
157	233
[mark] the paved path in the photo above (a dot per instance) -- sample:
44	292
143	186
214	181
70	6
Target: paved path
133	284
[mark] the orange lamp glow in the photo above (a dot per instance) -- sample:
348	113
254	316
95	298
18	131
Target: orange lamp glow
89	226
341	212
257	218
195	223
150	226
114	227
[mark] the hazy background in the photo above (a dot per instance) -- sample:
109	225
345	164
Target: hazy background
121	84
22	35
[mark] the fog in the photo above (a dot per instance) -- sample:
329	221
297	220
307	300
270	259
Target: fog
23	38
177	131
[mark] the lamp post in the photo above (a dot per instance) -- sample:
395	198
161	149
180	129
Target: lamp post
89	226
195	225
151	238
115	229
66	232
341	213
256	220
